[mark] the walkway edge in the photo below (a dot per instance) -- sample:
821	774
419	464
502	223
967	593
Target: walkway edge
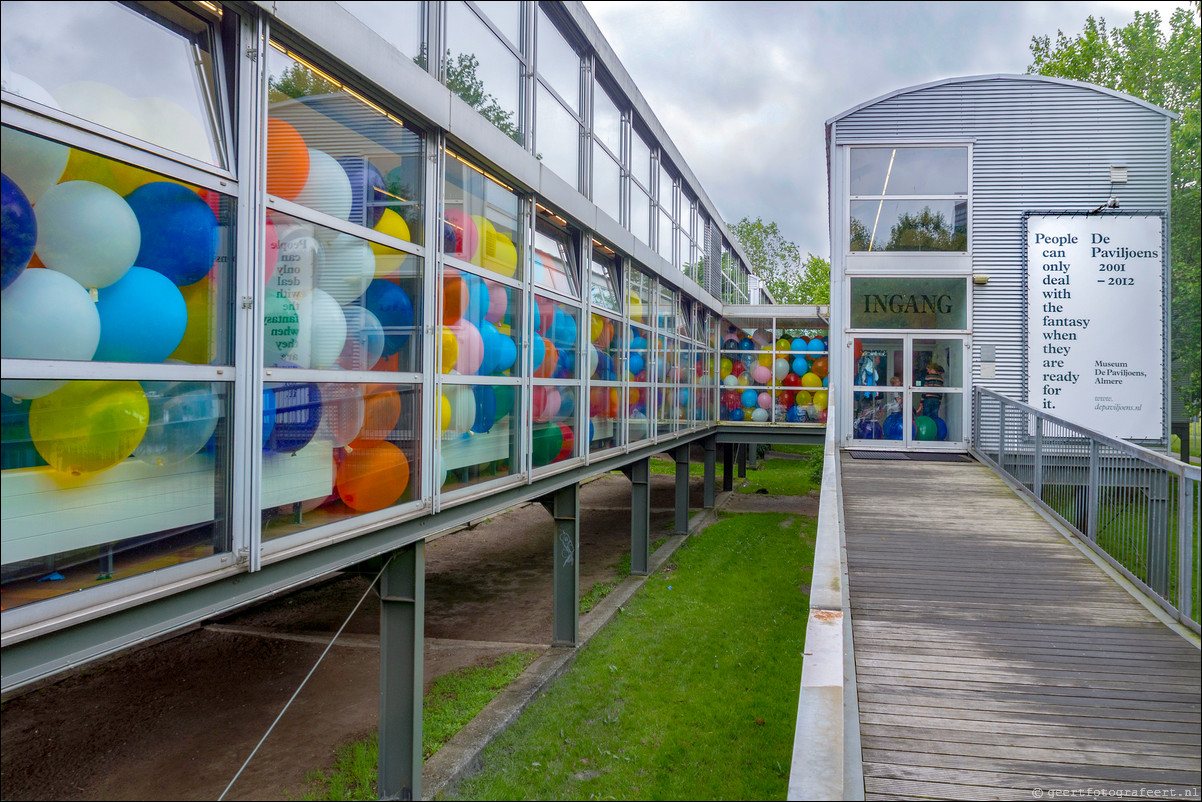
827	761
461	755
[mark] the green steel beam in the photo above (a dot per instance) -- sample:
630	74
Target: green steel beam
639	474
402	640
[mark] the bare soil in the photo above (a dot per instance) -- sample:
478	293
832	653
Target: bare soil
176	720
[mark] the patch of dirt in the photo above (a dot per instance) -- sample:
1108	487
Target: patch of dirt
176	720
750	502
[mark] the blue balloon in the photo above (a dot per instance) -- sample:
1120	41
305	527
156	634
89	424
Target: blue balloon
364	339
506	350
369	192
540	351
567	403
730	344
636	364
268	414
297	416
591	431
869	429
179	231
816	344
749	398
142	318
893	426
746	344
940	429
563	331
486	408
19	231
800	366
492	345
448	237
477	299
392	307
795	414
826	381
736	414
798	344
684	395
638	344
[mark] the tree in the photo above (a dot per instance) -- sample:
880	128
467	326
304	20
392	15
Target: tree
459	74
1141	61
777	262
925	231
296	82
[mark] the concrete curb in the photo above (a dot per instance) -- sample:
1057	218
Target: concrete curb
461	756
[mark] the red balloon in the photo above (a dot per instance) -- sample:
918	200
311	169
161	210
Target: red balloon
738	369
467	236
569	442
792	380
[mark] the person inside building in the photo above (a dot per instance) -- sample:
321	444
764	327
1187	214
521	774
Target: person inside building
932	376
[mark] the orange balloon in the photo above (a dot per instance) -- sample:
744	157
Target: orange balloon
454	298
820	366
613	401
381	411
287	160
550	360
607	334
374	474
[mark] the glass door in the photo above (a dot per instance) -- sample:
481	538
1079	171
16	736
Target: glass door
908	390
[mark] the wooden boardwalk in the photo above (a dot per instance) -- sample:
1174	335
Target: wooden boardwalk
993	659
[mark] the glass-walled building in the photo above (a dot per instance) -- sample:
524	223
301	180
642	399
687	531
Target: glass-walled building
278	276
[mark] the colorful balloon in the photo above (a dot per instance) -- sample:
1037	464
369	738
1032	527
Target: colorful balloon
182	418
89	426
143	317
297	416
20	231
374	475
88	232
46	315
179	231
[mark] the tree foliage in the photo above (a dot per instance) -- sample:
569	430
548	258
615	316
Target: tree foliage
777	262
1140	60
296	82
460	76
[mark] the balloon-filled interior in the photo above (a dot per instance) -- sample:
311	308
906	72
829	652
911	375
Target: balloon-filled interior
778	376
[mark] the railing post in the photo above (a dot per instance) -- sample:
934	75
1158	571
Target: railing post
1001	434
1157	544
1185	546
1037	466
976	418
1091	502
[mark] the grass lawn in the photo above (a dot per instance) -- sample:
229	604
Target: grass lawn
600	590
689	693
784	477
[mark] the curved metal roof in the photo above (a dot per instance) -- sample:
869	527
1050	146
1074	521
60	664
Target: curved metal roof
1001	77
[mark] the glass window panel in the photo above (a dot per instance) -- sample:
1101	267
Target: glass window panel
641	296
336	451
909	303
638	406
140	278
554	440
640	160
338	302
640	355
666	189
329	150
909	171
480	434
556	326
938	417
481	326
558	62
666	309
937	363
640	214
605	417
557	138
607	120
78	57
399	23
554	260
607	183
480	223
482	70
604	280
665	236
605	351
909	225
877	415
506	15
104	480
682	249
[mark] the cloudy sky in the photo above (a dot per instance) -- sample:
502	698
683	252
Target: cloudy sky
744	89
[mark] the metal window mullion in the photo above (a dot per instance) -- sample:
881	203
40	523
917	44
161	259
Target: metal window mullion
247	468
435	167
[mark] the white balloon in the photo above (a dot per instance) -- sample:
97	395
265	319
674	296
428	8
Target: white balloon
46	315
347	265
594	357
342	413
364	339
88	232
33	163
463	407
326	328
327	189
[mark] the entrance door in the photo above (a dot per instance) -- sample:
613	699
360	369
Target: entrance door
908	390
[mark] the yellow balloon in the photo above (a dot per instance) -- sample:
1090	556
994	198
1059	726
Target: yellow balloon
636	307
811	380
122	178
595	326
444	413
820	399
483	227
450	350
199	345
89	426
500	254
803	399
765	360
388	260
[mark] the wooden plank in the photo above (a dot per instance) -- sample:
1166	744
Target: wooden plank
1067	705
1062	740
1006	780
1063	772
994	721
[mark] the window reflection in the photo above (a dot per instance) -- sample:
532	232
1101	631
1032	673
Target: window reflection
482	70
399	23
909	171
557	137
607	183
888	225
607	121
558	62
76	57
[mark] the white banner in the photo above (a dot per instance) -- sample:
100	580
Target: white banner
1095	321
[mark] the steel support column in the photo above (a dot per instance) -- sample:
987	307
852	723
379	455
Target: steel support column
728	466
639	474
564	506
402	634
709	497
743	460
681	455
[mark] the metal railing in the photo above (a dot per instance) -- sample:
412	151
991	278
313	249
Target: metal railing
1138	508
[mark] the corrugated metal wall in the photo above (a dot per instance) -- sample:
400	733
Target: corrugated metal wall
1037	146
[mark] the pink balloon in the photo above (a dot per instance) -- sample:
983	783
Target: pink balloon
471	347
467	237
554	400
498	301
765	401
761	374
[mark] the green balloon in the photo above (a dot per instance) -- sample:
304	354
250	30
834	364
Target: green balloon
548	440
504	395
927	429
